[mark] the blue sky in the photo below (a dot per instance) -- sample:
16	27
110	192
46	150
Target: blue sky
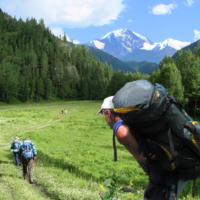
85	20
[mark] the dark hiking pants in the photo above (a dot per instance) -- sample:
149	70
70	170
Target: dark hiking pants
16	155
28	167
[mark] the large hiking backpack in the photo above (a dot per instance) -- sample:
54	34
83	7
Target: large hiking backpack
162	127
16	144
27	151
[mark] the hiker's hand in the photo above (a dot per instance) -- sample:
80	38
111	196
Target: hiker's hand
153	157
33	158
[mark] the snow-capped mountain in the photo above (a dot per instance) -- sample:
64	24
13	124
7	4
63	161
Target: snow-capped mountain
175	44
120	43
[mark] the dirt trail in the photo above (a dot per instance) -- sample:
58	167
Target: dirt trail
36	127
34	185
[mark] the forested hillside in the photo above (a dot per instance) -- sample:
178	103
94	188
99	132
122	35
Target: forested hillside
117	64
181	77
34	64
143	67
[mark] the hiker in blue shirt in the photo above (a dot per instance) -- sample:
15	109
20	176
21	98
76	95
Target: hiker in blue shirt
15	146
126	138
28	153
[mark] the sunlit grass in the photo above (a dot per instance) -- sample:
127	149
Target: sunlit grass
75	153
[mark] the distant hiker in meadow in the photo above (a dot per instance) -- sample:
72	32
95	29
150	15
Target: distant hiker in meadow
58	116
65	112
15	146
62	111
132	144
28	153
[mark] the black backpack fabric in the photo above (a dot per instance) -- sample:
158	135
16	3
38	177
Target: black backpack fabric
162	127
16	144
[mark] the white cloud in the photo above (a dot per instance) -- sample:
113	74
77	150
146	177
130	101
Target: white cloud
162	9
189	2
58	31
197	35
129	21
76	42
68	13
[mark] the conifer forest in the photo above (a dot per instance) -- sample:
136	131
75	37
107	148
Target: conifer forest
35	65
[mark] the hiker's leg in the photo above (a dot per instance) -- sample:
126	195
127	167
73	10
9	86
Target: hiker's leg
25	174
156	189
181	185
17	159
30	169
154	192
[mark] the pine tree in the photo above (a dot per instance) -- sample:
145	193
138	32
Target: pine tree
171	79
194	82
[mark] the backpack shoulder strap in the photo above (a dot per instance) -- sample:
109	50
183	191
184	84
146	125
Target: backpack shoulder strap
115	128
171	144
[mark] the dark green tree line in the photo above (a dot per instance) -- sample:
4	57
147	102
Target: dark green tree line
35	65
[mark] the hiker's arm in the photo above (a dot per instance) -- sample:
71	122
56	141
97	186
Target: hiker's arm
34	150
128	140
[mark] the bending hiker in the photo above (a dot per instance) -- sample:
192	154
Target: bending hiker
126	138
28	153
163	128
15	146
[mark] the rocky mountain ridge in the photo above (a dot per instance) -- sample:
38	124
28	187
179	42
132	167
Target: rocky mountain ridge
122	42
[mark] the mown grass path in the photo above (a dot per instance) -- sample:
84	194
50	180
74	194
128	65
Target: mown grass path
75	153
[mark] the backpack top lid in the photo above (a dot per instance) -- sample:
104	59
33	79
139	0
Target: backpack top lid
26	140
133	96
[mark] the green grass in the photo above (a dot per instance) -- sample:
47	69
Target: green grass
75	153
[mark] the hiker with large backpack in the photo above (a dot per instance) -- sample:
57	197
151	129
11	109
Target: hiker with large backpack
15	146
163	128
126	138
28	153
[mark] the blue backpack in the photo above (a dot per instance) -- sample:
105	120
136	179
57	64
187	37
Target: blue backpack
27	151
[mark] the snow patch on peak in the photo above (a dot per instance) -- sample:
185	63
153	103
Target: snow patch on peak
148	46
142	37
128	48
116	33
176	44
98	44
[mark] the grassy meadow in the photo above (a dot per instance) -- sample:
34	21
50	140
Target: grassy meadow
75	153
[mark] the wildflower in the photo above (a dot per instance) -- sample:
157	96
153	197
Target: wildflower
102	189
131	183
